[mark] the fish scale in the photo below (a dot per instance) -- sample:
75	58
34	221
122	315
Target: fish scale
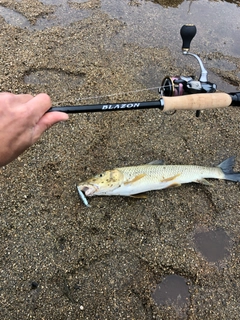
168	171
155	177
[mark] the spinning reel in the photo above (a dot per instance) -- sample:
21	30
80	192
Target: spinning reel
180	85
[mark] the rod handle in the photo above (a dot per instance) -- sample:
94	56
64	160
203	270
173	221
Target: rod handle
197	101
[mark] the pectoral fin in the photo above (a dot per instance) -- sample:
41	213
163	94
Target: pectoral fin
171	178
135	179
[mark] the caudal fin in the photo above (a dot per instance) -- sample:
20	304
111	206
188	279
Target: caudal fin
227	168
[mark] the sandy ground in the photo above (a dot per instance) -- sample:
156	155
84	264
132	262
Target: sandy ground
61	260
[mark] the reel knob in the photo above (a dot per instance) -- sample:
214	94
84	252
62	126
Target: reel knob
187	32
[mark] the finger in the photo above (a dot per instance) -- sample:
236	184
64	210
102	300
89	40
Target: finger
47	121
39	105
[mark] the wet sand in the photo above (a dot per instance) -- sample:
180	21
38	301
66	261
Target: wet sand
61	260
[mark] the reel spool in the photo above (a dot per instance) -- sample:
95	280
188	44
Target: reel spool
172	87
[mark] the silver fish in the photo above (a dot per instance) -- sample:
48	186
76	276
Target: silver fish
130	181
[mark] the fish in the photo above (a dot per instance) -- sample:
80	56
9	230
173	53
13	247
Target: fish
133	181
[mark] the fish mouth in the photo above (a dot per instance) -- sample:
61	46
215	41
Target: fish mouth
88	189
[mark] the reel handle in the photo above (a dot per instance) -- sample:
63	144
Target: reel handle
187	32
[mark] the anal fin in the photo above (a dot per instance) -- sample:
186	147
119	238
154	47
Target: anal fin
139	196
203	181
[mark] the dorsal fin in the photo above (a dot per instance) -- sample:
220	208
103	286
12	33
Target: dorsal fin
156	162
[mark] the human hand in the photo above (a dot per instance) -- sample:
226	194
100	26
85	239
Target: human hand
23	119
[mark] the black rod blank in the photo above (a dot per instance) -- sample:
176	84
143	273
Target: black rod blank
109	107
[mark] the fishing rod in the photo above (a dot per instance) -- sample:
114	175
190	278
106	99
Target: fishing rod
176	93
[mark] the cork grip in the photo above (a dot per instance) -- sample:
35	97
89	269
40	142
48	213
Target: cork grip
197	101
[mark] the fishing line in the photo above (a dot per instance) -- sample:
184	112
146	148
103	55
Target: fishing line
119	93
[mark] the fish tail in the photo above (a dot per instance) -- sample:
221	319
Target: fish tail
227	169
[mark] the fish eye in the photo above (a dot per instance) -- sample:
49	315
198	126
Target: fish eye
100	175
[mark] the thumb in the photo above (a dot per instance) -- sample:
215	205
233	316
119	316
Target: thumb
47	121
